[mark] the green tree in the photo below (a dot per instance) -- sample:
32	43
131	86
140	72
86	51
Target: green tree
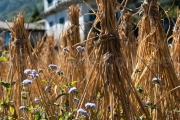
35	15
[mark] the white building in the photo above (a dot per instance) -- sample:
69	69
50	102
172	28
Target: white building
55	17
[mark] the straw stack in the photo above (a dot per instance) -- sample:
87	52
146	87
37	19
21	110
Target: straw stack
154	70
175	51
108	82
128	41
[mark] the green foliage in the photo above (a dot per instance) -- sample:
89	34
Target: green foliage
35	15
10	8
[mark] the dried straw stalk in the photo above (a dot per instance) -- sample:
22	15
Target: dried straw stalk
109	76
175	52
154	61
20	58
128	41
73	64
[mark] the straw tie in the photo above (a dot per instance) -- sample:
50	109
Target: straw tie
18	42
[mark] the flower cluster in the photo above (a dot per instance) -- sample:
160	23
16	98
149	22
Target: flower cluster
83	112
31	73
52	66
90	105
80	49
156	80
73	89
26	82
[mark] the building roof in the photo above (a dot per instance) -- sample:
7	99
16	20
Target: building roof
30	26
64	4
61	5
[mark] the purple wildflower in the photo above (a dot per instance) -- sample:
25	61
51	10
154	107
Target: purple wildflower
26	82
22	107
80	49
58	72
156	80
40	71
76	100
148	104
33	76
83	112
65	50
48	88
27	71
90	105
73	89
36	99
52	66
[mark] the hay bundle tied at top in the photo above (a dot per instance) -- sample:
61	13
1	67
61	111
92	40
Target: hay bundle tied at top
108	77
128	41
154	72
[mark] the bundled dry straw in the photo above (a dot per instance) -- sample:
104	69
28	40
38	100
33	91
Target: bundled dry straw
175	52
128	41
108	82
20	57
154	70
73	62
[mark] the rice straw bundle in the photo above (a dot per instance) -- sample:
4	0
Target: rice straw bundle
175	52
20	58
154	70
73	63
129	41
108	82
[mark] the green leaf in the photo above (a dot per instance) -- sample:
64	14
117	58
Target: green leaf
37	115
71	58
62	94
53	83
72	83
3	59
5	84
24	97
64	85
44	81
11	108
4	52
30	108
98	95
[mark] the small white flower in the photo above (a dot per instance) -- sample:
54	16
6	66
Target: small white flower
33	76
52	66
76	100
156	80
48	89
58	72
22	107
26	82
65	50
73	89
90	105
40	71
148	104
80	49
27	71
36	99
83	112
33	72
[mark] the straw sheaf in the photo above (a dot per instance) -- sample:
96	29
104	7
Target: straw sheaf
175	50
108	75
154	61
128	41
